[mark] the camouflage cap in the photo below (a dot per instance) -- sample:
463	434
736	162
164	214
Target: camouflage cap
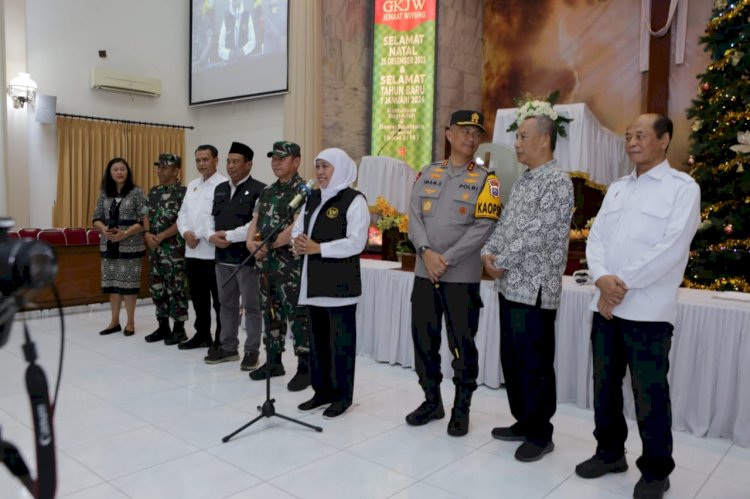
284	148
168	159
466	117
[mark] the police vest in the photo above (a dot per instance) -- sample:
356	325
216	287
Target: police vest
230	212
331	277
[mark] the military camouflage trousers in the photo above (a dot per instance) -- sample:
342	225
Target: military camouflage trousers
167	282
284	287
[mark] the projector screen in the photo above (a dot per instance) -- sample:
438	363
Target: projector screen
238	49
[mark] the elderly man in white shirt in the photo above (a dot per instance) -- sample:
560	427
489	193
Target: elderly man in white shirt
637	252
199	252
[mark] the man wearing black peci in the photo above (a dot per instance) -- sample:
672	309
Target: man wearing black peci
234	202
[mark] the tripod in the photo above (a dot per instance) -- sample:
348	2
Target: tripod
268	410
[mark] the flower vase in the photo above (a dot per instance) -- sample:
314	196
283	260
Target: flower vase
408	260
391	238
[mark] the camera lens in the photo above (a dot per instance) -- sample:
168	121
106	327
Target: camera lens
25	264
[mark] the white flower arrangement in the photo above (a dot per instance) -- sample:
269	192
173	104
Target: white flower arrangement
529	108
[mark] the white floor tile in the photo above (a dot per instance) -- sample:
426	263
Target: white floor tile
421	490
101	491
195	476
167	404
269	449
342	475
405	450
129	452
482	474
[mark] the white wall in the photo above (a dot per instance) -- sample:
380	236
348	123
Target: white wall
141	37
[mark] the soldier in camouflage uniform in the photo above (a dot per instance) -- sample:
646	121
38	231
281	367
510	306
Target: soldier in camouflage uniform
281	268
166	256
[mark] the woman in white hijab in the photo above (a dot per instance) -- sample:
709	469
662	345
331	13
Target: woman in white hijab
331	233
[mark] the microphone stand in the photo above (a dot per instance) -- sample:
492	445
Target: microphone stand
268	410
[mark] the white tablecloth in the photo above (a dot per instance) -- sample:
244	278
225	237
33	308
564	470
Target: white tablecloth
710	356
589	147
387	177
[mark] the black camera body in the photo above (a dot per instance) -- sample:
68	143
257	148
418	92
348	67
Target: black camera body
25	264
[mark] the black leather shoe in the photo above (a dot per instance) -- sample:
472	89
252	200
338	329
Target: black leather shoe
260	373
335	410
194	342
128	332
110	330
529	452
313	403
597	466
425	413
508	433
458	426
175	339
654	489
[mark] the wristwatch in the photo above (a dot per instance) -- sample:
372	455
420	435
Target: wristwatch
422	249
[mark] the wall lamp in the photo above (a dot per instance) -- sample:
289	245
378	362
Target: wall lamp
22	89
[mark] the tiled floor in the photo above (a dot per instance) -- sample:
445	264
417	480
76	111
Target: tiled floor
146	421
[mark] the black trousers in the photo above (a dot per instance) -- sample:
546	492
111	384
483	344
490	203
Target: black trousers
644	348
459	303
333	349
527	353
202	281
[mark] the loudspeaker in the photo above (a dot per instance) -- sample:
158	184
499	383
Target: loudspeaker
46	106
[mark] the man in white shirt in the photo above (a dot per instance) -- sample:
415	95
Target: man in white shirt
199	252
637	252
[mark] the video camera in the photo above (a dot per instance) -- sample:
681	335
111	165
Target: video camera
27	265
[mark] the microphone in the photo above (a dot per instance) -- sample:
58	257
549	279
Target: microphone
304	191
388	141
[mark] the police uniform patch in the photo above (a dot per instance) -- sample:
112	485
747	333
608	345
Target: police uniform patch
465	196
427	190
462	210
426	205
488	202
494	184
332	212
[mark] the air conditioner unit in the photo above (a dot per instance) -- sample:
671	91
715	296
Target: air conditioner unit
105	79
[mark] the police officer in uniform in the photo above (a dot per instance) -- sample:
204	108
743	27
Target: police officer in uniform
167	279
453	209
281	268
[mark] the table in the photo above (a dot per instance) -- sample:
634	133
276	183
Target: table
589	147
710	355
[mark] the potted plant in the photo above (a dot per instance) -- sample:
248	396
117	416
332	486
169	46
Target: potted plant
394	227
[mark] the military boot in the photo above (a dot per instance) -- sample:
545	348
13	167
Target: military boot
178	334
301	379
161	332
431	408
458	426
277	368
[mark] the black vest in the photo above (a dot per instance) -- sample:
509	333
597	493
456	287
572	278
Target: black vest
331	277
229	24
230	213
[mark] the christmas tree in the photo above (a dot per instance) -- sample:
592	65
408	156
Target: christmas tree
720	254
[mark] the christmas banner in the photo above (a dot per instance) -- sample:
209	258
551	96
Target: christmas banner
403	80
